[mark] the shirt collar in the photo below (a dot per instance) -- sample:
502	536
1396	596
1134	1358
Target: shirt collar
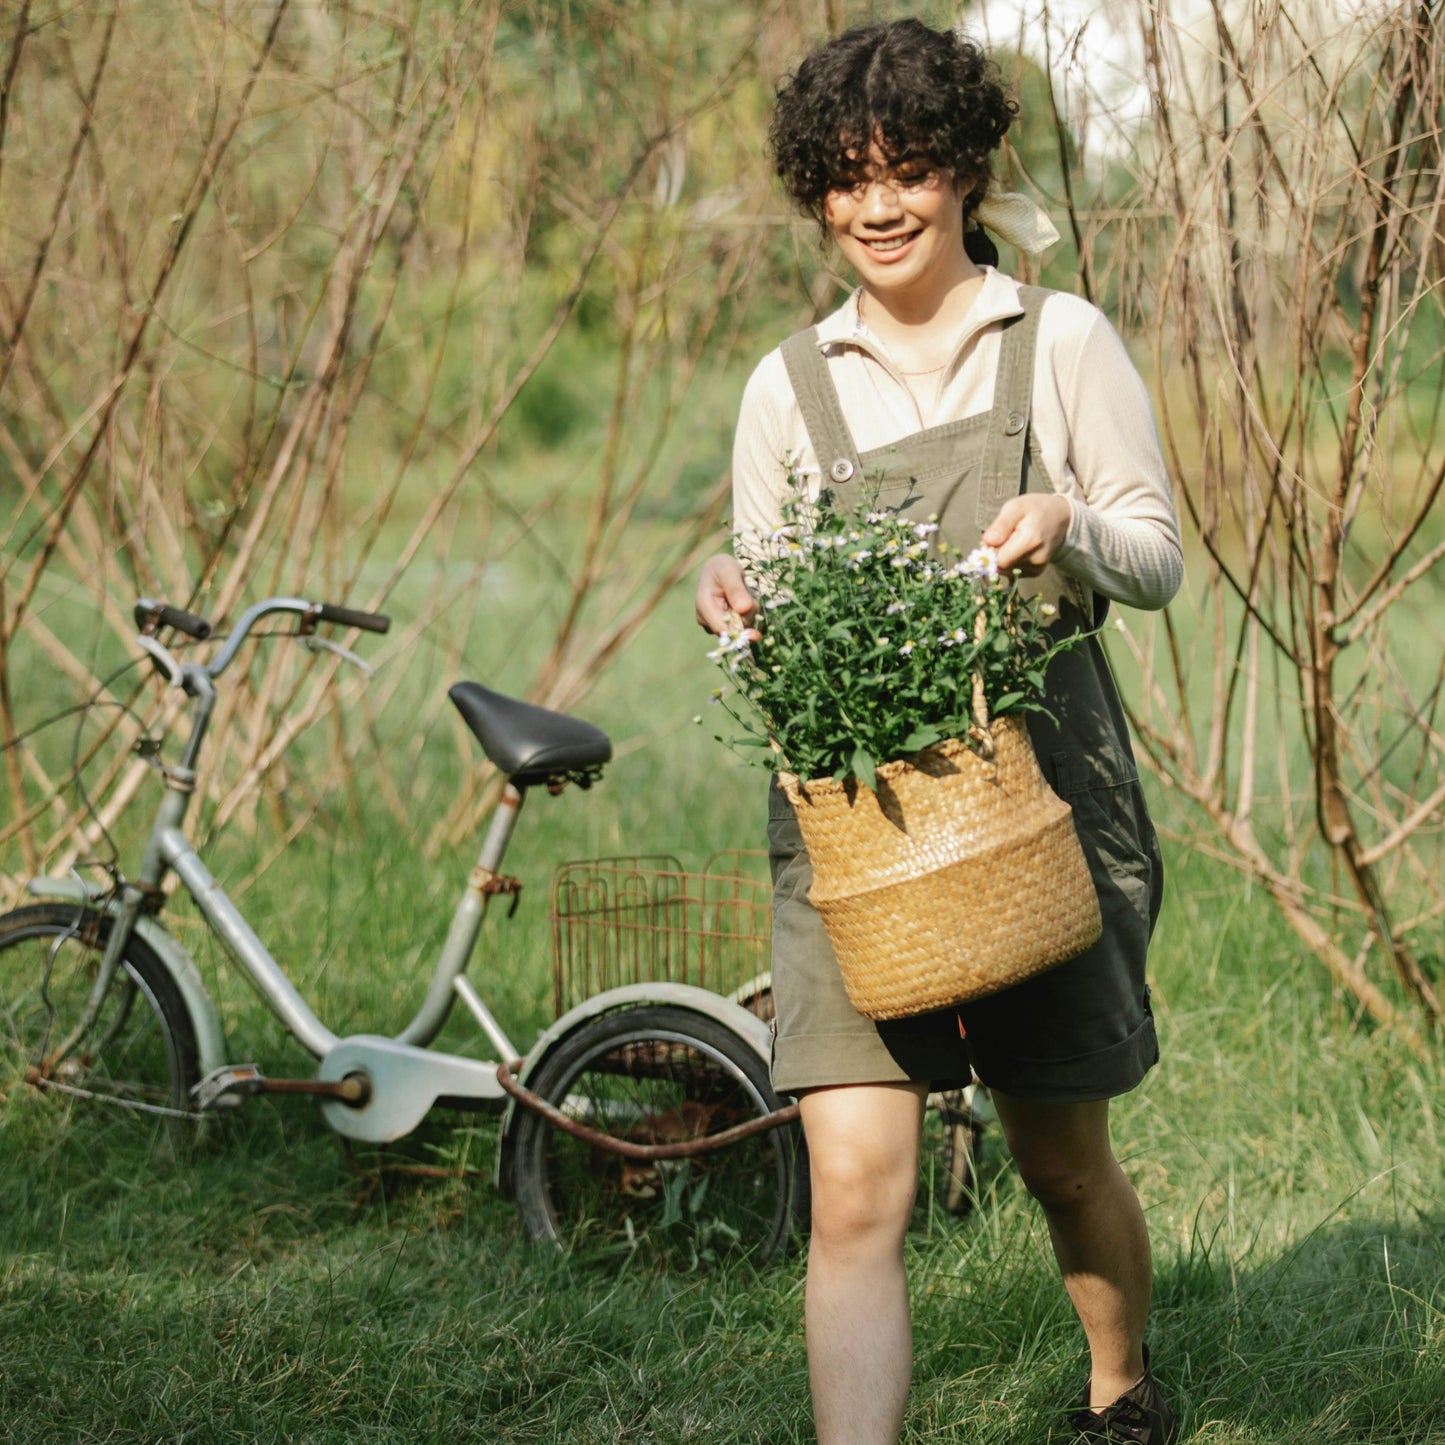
997	300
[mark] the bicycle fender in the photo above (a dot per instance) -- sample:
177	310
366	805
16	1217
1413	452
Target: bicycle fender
205	1020
732	1015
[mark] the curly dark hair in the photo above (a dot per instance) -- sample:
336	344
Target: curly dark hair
921	93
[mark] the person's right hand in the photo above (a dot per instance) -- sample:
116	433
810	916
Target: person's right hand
722	594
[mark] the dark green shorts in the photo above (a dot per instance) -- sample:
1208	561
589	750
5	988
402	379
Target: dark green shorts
1081	1031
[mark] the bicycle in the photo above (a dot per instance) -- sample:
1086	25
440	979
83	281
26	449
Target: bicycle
645	1109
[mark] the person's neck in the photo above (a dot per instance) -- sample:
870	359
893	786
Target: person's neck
913	327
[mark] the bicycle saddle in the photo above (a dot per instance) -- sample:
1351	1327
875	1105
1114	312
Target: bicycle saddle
529	744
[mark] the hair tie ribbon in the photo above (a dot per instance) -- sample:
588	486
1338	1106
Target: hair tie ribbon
1014	218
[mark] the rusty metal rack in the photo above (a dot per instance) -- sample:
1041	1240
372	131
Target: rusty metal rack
645	919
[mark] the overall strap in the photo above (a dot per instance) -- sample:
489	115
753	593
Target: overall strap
822	411
1008	426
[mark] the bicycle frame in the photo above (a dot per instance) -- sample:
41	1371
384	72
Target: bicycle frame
168	849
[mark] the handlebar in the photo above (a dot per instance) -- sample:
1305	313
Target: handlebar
150	614
346	617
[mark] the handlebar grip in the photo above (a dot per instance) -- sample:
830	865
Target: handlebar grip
347	617
161	614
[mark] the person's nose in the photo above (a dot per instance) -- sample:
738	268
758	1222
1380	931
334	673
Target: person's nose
880	201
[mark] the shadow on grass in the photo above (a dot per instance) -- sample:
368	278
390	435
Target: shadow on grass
1340	1337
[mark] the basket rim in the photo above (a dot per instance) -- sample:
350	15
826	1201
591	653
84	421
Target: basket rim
948	748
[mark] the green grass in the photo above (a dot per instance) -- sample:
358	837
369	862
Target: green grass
270	1288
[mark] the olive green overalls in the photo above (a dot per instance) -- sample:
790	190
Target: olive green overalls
1083	1030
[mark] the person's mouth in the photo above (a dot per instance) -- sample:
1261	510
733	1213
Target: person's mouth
888	245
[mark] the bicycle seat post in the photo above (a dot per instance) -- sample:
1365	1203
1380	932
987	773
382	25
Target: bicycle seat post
484	882
499	831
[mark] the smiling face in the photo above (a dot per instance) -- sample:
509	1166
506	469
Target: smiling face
900	227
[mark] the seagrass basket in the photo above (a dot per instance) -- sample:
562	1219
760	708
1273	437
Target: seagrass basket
961	875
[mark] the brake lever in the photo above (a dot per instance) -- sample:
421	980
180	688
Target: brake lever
314	643
162	658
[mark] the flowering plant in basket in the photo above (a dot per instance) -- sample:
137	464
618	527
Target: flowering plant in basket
884	685
877	639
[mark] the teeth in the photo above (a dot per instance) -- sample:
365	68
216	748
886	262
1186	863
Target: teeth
891	244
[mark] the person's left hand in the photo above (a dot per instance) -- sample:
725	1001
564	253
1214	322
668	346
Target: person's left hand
1028	532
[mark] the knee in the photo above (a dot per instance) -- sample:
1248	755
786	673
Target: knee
861	1200
1063	1184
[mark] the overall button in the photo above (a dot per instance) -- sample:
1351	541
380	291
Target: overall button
841	470
1013	423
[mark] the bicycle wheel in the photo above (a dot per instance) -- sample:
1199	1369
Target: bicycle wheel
952	1132
140	1053
952	1129
655	1075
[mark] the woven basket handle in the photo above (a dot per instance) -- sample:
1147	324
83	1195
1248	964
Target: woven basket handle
982	732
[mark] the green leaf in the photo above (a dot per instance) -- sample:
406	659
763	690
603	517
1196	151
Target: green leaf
921	738
864	769
839	632
1007	701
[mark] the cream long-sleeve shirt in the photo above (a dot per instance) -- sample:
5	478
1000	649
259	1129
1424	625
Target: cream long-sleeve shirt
1091	419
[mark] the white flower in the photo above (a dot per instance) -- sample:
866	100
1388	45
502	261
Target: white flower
856	559
925	529
1119	625
876	517
1048	610
981	562
902	561
952	639
730	643
894	608
905	649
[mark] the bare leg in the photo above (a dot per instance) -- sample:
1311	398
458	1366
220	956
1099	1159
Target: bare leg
1097	1227
863	1142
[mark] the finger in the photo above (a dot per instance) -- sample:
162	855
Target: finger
737	627
710	606
734	589
1018	559
719	609
1022	551
1003	525
712	612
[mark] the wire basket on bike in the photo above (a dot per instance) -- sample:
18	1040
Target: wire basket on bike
646	919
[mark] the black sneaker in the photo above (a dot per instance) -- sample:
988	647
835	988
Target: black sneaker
1139	1416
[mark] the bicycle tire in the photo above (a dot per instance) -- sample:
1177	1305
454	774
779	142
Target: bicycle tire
653	1074
952	1135
141	1052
